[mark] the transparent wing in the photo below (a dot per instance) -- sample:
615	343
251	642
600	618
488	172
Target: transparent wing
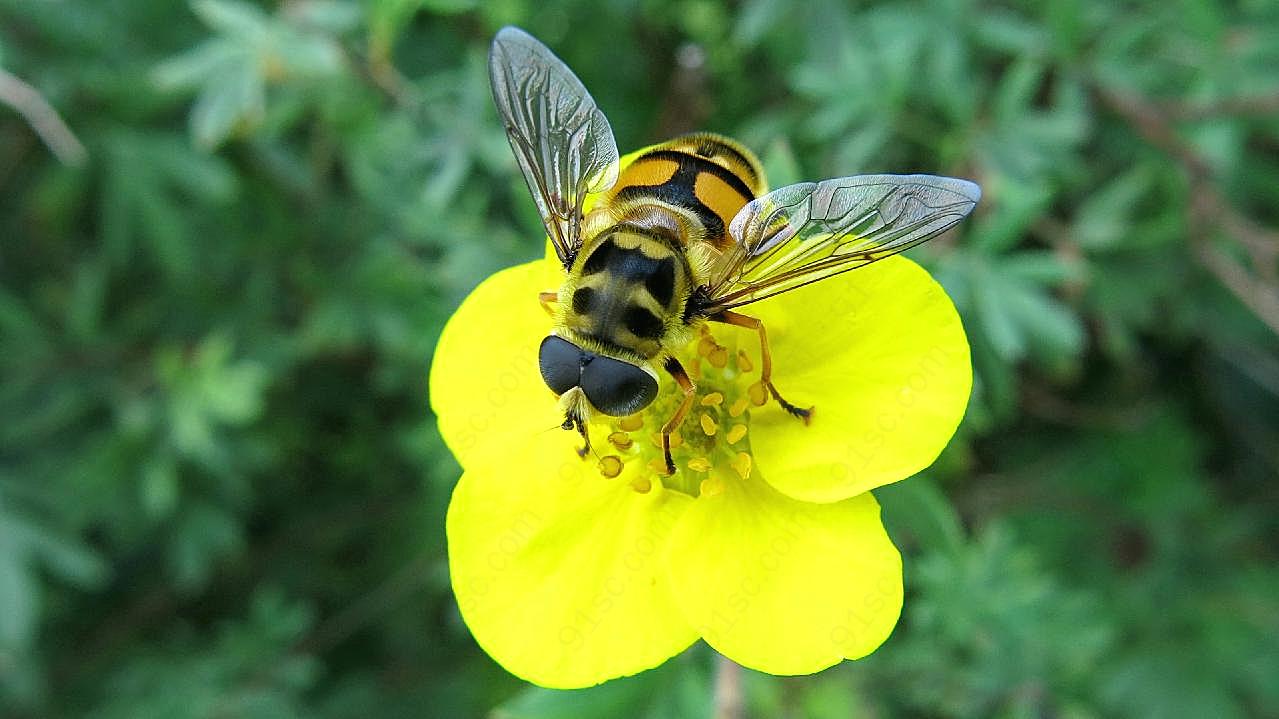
799	234
562	141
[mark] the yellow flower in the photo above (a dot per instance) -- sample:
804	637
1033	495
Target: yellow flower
766	543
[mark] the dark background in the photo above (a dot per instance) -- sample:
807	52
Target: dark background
221	488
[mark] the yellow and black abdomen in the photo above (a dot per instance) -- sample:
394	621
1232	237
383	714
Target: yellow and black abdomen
705	178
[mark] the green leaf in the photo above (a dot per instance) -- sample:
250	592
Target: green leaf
1105	218
1003	30
232	17
235	96
1010	215
328	16
159	486
755	19
998	323
193	68
20	597
1041	268
918	508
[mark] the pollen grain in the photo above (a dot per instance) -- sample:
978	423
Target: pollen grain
708	424
610	466
700	464
710	487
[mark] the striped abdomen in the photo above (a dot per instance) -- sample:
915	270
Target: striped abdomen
702	179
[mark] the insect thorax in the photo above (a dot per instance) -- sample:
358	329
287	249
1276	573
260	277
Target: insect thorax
626	291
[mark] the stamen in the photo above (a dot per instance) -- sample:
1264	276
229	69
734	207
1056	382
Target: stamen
705	465
610	466
706	345
710	487
708	424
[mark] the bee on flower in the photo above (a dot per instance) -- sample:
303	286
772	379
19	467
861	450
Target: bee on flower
713	507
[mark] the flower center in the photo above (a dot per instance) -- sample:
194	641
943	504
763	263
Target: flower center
712	445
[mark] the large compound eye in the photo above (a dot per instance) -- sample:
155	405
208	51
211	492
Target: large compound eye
561	363
617	388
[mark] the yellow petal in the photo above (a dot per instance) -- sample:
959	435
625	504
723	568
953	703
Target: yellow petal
881	353
557	569
783	586
485	384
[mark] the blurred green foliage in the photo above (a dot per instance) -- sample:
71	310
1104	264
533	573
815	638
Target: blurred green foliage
221	490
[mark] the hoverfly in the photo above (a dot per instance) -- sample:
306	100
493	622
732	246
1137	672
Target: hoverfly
683	236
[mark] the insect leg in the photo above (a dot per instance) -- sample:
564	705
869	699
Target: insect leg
729	317
546	298
686	385
586	437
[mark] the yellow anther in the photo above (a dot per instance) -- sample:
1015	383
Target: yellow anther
676	440
744	362
738	407
657	465
718	357
742	465
710	487
714	399
700	464
737	432
621	440
758	394
708	424
610	466
706	345
642	484
632	423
